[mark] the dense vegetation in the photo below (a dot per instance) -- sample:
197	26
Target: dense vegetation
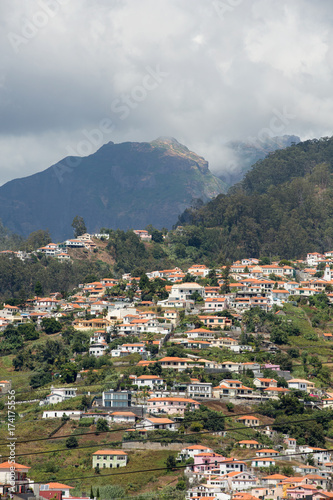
283	206
18	279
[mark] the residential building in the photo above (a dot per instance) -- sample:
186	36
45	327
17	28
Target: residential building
12	472
154	423
172	405
197	389
109	459
58	395
117	399
248	420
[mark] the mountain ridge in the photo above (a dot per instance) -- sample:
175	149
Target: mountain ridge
126	185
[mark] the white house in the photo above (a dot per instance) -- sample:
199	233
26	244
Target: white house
72	414
183	291
98	349
58	395
123	416
154	423
300	384
150	381
197	389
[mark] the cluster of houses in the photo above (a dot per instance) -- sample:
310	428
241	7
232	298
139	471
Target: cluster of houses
150	404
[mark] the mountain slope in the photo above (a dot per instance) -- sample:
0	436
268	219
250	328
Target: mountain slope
284	205
124	186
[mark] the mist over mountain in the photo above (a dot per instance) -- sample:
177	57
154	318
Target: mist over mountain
245	154
282	207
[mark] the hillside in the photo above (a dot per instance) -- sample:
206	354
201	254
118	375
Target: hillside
124	186
283	206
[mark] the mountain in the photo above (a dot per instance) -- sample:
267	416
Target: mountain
282	207
246	154
123	186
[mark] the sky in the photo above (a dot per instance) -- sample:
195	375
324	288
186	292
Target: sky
75	74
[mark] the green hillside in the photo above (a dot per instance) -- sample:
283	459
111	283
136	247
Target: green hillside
283	207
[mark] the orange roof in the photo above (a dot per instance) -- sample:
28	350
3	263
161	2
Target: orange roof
248	441
124	413
8	465
160	420
248	417
59	486
184	400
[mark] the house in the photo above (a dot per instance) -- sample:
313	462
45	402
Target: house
118	399
266	452
72	414
248	420
58	395
275	392
207	492
240	480
290	442
231	388
109	459
5	386
123	416
171	405
184	291
191	451
197	389
204	462
216	321
224	342
263	462
143	234
200	333
195	344
301	384
264	383
151	381
153	423
249	444
198	270
327	402
98	349
232	465
320	455
179	364
52	487
13	477
231	366
215	304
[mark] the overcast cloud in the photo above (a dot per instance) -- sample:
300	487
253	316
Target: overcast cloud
75	74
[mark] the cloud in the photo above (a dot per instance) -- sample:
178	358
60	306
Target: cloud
228	67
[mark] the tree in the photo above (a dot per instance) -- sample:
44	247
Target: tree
157	236
71	442
51	325
170	463
102	425
38	289
287	470
68	373
79	226
28	331
91	492
40	378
